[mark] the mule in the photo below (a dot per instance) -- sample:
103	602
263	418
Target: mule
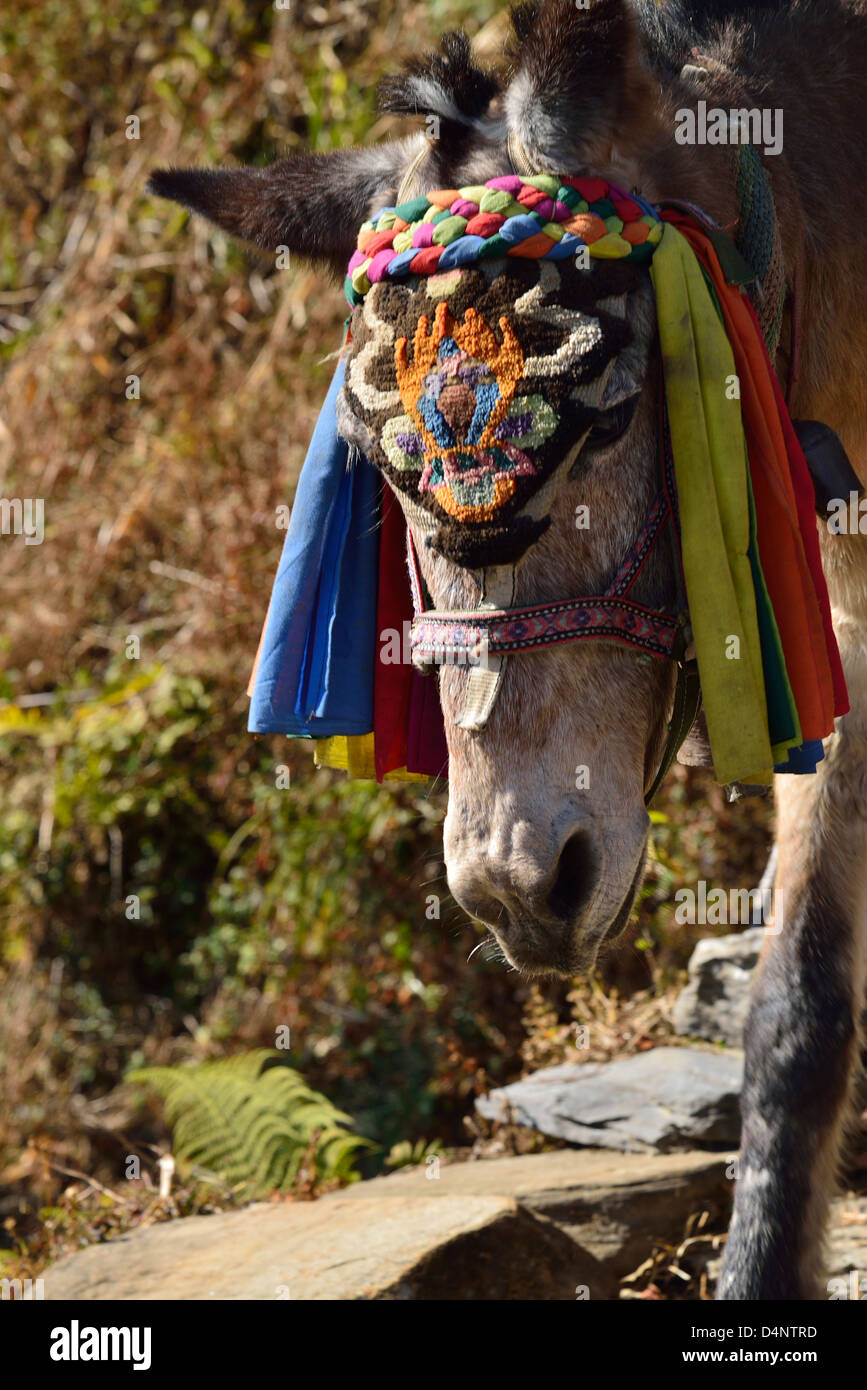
551	868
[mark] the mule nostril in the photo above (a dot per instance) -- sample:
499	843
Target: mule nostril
576	877
475	897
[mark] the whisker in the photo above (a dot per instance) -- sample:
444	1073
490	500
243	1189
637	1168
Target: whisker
437	780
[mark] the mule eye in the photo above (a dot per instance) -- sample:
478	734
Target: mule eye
612	424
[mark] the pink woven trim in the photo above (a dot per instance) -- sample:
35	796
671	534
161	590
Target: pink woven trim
525	629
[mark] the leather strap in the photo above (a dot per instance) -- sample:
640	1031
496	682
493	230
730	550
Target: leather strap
687	703
499	585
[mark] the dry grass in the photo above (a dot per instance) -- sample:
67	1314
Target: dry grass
160	523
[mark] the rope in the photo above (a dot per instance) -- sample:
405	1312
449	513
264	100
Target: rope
519	156
408	179
758	237
544	217
758	240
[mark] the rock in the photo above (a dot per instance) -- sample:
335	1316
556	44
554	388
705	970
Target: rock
846	1252
412	1246
714	1003
535	1227
847	1249
668	1098
615	1205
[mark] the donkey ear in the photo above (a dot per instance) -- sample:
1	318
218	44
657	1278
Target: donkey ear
312	204
579	86
448	86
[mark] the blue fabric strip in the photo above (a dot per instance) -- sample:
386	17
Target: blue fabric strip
316	668
803	759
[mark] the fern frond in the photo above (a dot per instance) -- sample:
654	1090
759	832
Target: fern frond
252	1119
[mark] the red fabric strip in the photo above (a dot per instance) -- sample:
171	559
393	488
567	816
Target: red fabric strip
427	750
806	500
392	682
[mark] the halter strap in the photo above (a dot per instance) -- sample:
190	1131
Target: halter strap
469	637
519	156
475	638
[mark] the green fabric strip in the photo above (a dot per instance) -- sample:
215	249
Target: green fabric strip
784	726
710	468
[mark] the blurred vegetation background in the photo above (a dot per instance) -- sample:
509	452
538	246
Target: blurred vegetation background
132	777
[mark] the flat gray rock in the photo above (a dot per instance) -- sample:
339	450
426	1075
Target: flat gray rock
539	1226
409	1246
714	1002
668	1098
615	1205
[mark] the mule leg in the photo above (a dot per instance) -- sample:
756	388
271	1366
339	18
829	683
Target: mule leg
801	1037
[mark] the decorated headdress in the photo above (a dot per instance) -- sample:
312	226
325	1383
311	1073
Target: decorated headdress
483	354
484	343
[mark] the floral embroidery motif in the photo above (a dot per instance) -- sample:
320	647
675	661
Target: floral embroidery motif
464	426
470	386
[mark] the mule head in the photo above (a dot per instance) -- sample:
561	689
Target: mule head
481	391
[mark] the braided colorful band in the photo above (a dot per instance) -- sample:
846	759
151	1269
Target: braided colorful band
541	218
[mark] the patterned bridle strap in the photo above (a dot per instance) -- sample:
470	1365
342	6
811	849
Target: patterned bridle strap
470	637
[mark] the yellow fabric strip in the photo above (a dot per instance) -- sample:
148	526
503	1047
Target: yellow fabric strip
354	754
350	753
710	463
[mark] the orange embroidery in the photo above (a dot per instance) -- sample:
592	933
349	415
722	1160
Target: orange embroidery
477	339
